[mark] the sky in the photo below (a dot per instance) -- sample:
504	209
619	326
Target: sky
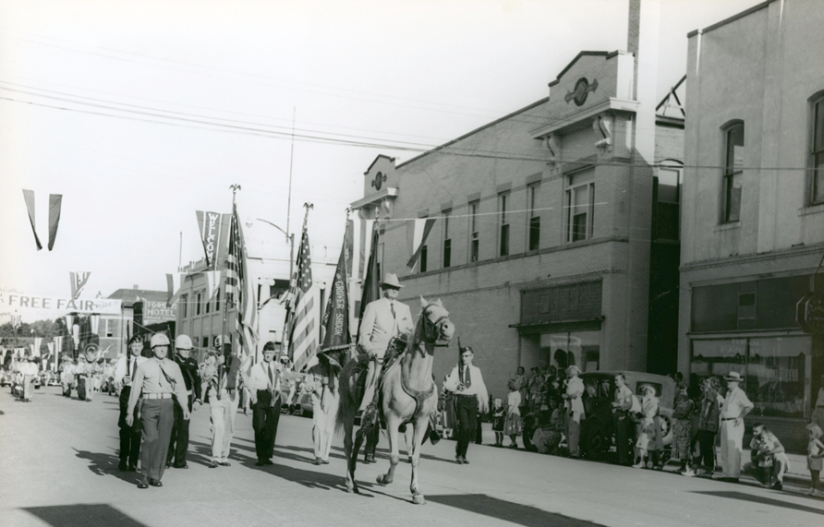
112	104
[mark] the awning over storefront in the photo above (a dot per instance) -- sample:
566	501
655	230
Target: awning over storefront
538	328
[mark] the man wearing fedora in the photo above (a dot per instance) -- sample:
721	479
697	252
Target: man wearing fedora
736	406
382	320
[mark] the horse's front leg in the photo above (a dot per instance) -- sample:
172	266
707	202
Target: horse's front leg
392	425
421	425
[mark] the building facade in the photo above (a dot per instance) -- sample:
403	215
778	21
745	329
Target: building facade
541	246
753	208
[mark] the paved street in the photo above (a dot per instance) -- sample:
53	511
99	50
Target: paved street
59	468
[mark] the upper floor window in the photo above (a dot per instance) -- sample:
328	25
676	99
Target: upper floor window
184	306
207	302
817	151
217	300
447	241
534	218
666	215
198	300
503	199
580	205
733	171
473	232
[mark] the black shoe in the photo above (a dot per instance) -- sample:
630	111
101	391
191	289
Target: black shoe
123	467
143	484
777	486
213	464
155	483
317	461
132	468
459	460
224	463
434	437
168	464
369	458
465	461
259	463
268	462
184	465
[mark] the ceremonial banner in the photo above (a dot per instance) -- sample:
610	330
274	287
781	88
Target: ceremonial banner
240	289
214	231
371	284
28	195
55	203
303	326
105	306
336	318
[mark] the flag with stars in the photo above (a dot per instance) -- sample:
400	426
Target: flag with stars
304	327
240	292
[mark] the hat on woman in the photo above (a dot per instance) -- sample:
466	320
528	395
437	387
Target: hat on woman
573	370
733	376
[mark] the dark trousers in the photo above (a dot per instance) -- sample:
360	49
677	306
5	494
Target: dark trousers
466	406
265	417
81	388
706	445
158	416
129	435
372	441
179	440
622	430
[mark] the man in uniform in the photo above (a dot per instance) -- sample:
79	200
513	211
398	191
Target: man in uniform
263	383
382	320
179	442
224	398
467	384
157	379
736	406
124	372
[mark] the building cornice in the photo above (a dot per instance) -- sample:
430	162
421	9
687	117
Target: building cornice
573	121
374	199
751	258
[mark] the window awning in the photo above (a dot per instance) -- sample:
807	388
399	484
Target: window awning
538	328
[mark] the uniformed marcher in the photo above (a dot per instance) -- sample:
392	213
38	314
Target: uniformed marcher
124	372
158	379
179	442
263	382
467	384
382	320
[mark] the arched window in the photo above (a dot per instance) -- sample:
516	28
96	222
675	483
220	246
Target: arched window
733	170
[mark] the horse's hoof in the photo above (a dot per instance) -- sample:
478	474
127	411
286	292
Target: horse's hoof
418	499
383	480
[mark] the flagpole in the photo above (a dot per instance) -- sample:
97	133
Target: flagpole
235	187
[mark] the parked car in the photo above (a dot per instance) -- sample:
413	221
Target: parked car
598	429
303	405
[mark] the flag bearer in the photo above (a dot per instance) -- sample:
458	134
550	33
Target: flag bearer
124	372
179	442
263	382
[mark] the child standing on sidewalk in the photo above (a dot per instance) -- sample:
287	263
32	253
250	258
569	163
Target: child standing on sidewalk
498	418
815	456
512	426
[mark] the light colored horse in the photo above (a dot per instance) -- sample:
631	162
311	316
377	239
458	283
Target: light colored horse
414	370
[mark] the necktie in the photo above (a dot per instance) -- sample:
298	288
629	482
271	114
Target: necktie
467	378
134	362
392	308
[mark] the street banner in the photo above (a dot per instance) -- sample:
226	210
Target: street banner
214	233
335	325
28	195
78	282
35	350
55	204
105	306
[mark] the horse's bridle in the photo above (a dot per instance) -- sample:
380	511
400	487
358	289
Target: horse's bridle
434	325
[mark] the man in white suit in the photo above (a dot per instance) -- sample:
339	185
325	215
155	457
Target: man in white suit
263	382
382	320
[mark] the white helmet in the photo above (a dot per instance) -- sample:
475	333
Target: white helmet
183	342
159	339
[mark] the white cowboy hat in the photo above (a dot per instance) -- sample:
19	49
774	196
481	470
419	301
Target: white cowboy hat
574	369
733	376
391	280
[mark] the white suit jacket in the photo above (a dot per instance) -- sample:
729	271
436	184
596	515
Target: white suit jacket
378	326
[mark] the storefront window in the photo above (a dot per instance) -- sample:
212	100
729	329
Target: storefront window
579	348
776	370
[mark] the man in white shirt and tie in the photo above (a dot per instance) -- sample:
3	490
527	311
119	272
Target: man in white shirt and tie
736	406
263	382
467	383
124	371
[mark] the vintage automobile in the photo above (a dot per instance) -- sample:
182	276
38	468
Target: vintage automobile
598	429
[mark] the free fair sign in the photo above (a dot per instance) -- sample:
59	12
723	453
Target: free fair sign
103	306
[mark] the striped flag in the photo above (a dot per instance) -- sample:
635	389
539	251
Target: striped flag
303	326
240	291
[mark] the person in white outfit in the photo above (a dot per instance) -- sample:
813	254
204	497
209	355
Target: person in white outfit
736	406
324	389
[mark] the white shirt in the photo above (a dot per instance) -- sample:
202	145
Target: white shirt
734	404
259	377
477	387
126	366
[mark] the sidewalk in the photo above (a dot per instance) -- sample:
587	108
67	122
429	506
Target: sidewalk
797	475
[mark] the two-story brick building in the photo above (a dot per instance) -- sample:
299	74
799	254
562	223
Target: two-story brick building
544	219
753	207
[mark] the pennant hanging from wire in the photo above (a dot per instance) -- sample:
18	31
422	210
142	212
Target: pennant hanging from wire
78	282
55	206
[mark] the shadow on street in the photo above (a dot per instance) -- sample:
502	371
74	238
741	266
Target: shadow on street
106	465
83	515
733	495
508	511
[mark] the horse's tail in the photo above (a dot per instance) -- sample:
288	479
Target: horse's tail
346	407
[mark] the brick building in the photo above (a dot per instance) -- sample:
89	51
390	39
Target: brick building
753	207
542	243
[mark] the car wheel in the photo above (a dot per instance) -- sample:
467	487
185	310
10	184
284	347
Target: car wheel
596	443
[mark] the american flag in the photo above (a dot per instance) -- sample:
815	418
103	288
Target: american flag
303	328
240	291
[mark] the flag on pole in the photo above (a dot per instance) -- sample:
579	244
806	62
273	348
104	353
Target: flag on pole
28	195
78	282
240	288
303	327
423	227
335	327
371	283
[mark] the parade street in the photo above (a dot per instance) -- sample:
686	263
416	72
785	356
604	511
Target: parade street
59	468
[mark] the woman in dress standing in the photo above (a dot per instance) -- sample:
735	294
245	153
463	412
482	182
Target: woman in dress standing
682	429
574	409
512	427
